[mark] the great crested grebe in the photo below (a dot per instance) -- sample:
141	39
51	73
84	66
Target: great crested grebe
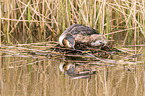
83	34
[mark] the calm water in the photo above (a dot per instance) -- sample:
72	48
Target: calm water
26	75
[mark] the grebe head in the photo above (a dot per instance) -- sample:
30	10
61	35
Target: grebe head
67	40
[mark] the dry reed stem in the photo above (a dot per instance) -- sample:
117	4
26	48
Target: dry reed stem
20	18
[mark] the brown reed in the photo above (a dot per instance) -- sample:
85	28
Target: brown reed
32	21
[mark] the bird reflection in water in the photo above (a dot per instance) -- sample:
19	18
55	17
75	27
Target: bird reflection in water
76	71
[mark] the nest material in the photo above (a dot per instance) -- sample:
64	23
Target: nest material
85	50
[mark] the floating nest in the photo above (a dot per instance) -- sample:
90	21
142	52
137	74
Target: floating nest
81	62
85	51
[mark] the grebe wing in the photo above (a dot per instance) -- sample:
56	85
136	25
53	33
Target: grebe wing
80	29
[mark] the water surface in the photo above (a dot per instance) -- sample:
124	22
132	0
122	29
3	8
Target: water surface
29	75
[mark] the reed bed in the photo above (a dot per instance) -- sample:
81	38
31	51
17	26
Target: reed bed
38	21
29	21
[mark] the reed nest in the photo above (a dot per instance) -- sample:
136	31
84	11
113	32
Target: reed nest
86	52
84	49
52	50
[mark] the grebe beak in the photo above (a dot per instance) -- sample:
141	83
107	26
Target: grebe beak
73	47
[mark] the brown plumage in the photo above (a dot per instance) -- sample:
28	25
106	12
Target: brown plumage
81	33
